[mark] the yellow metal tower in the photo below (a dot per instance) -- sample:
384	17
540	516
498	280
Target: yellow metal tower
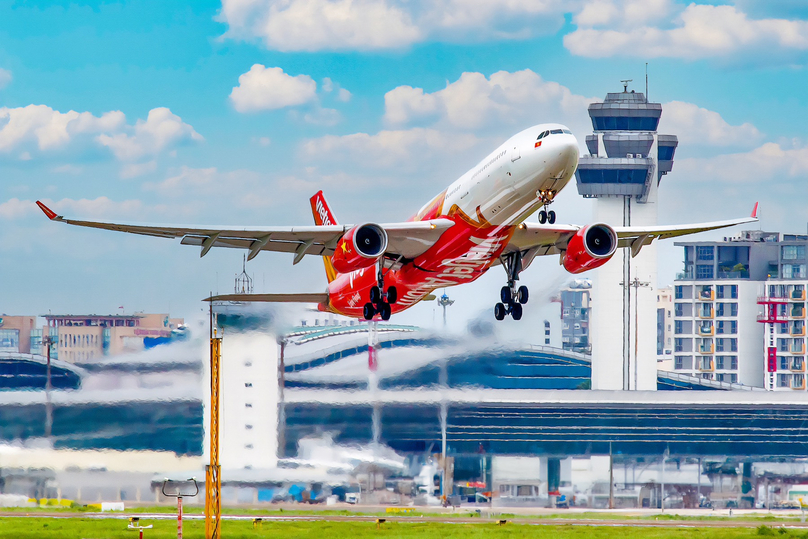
213	479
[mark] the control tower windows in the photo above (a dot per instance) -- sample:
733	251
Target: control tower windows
624	123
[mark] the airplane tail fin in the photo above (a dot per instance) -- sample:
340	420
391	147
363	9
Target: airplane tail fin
323	216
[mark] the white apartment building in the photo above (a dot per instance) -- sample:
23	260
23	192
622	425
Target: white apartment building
739	310
665	327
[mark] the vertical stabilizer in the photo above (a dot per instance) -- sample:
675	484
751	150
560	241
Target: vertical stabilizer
323	217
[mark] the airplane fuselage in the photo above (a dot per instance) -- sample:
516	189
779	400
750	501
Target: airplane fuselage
485	204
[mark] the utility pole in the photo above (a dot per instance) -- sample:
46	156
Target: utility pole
635	283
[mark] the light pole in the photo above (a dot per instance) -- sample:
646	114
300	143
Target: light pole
635	283
444	302
47	340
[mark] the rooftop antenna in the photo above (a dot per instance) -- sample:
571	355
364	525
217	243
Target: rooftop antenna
625	84
244	284
646	82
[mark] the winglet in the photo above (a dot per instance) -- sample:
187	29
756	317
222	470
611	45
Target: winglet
755	211
49	212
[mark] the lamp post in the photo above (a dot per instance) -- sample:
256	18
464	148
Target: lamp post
635	283
47	340
444	302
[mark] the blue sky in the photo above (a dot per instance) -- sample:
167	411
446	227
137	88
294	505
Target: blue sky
236	112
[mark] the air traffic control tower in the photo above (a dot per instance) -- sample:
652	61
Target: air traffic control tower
626	163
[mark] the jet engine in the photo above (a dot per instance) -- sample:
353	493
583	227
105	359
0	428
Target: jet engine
591	247
359	248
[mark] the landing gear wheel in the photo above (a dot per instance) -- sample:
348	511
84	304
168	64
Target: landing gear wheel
392	295
499	311
516	311
551	217
542	217
522	295
369	311
384	311
505	295
375	295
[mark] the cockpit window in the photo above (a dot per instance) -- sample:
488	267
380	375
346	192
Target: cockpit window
556	132
543	134
567	131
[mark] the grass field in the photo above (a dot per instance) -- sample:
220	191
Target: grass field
42	527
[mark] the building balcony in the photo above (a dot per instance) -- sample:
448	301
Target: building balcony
740	274
797	313
706	366
707	295
707	332
709	349
797	295
706	315
797	332
797	349
797	365
798	382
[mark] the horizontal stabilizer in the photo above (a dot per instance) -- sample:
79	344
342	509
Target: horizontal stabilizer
312	297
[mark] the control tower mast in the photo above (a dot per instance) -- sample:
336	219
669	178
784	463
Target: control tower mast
626	163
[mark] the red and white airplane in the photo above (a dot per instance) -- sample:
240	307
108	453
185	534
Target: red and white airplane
478	222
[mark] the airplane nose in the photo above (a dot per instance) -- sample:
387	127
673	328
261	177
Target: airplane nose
566	152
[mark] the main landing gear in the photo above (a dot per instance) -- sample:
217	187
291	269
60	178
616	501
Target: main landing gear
512	298
380	301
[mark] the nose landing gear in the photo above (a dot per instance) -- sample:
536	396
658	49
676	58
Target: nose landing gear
512	298
380	300
546	197
547	217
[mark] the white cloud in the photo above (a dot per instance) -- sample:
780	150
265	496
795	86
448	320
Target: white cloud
37	130
474	102
622	13
161	131
766	165
315	25
389	147
311	25
263	88
5	77
100	207
696	125
699	31
50	129
343	95
187	180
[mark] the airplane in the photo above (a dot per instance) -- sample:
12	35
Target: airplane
479	221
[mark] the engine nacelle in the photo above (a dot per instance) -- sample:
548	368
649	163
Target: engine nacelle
359	248
591	247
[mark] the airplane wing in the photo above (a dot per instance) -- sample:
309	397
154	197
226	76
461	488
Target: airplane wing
408	239
537	239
